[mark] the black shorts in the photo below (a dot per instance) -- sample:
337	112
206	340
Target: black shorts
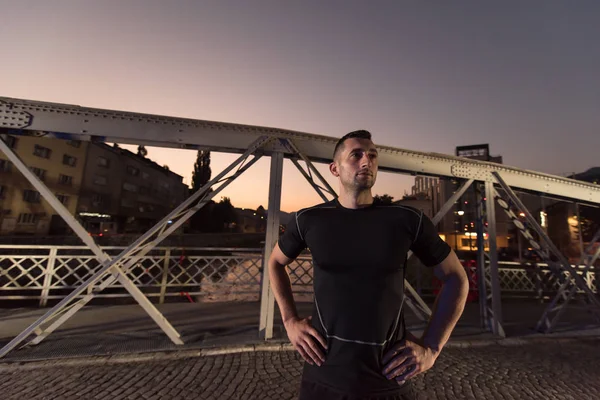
314	391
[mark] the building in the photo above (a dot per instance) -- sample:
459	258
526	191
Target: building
58	164
108	189
570	226
123	192
458	226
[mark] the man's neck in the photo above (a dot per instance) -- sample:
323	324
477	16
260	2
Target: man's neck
355	200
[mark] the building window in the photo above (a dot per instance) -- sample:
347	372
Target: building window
145	175
131	170
11	141
74	143
165	185
31	196
144	190
40	173
4	166
28	218
41	151
97	200
2	191
63	199
100	180
65	180
130	187
69	160
103	162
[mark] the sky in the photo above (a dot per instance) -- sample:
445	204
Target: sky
427	76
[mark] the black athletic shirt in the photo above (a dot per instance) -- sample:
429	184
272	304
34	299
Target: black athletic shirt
359	259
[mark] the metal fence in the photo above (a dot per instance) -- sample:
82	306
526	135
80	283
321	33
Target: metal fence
44	273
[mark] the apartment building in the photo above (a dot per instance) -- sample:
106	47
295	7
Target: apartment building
109	189
58	164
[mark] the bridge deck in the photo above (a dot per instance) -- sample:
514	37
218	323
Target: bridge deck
126	329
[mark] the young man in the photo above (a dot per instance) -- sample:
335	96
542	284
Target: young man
355	343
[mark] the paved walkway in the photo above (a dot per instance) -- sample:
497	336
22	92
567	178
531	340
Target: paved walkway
116	352
541	369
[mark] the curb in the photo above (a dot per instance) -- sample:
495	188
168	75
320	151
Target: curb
248	348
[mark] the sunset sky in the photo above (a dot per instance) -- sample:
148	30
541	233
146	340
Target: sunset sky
521	76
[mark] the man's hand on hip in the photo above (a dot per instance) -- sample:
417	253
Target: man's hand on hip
303	336
406	359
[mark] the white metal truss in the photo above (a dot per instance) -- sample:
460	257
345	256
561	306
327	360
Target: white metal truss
413	300
570	278
568	290
123	127
80	123
308	173
267	306
488	279
116	268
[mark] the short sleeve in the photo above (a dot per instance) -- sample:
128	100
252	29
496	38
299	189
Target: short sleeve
428	245
291	241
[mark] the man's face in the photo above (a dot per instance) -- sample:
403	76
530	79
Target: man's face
356	165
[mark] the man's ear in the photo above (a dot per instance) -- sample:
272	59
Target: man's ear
334	169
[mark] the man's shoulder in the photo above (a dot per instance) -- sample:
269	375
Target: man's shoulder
400	208
322	206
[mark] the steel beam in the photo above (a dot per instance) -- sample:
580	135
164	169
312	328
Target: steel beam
482	269
496	309
132	254
310	169
267	306
84	123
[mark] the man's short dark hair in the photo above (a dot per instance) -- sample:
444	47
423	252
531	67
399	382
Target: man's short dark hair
360	134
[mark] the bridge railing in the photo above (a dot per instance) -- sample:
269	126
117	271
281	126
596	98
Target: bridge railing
44	273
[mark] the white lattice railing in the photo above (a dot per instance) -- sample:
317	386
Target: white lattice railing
216	274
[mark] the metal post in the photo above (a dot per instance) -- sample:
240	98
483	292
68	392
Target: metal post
580	229
165	274
496	319
267	304
48	275
482	275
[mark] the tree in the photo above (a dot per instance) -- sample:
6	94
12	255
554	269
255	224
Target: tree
141	151
203	220
384	198
202	172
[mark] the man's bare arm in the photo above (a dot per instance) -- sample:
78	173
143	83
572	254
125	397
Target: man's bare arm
300	332
281	285
413	356
449	303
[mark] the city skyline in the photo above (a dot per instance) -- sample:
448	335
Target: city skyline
520	77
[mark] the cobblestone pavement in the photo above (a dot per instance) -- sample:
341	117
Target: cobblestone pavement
541	369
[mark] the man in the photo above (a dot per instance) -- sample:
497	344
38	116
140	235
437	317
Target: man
355	343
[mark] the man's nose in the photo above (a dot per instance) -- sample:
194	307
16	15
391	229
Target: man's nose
366	161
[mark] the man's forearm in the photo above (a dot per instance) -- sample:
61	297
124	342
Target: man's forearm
447	309
282	289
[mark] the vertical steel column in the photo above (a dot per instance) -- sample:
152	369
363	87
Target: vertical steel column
267	303
481	265
496	319
580	229
163	282
48	274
